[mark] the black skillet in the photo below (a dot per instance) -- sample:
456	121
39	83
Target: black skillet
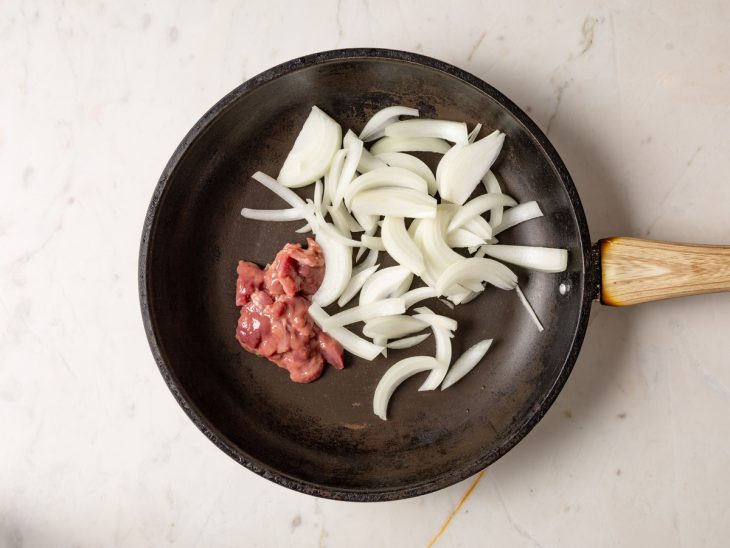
322	438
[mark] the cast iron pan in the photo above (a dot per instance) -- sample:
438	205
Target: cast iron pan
322	438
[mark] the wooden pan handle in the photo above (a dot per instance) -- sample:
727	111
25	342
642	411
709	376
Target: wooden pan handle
635	271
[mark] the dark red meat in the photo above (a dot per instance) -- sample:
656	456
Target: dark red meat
275	321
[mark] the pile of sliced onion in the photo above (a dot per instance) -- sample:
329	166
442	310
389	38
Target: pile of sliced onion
385	200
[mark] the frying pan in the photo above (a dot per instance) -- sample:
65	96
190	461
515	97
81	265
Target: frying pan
322	438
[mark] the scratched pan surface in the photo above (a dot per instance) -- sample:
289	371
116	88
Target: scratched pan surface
322	438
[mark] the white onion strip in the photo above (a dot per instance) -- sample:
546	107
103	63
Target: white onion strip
349	340
542	259
408	342
333	175
372	242
427	315
474	133
460	170
464	238
384	283
455	132
338	259
286	194
385	177
356	282
411	163
400	246
474	269
466	362
366	312
516	215
374	127
370	260
491	185
529	309
354	151
442	336
477	206
342	219
393	201
413	144
394	376
310	157
393	327
417	295
291	214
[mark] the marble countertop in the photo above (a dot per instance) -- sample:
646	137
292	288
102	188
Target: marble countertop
94	97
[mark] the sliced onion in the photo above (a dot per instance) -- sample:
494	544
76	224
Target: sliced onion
374	128
542	259
474	133
383	283
516	215
311	155
349	340
291	214
442	337
338	259
393	327
460	170
408	342
385	177
403	288
403	202
473	269
322	227
417	295
477	206
400	246
529	309
332	178
431	318
368	222
355	284
413	144
366	312
455	132
343	220
369	162
411	163
382	341
491	185
304	229
372	242
466	362
318	196
354	151
447	303
286	194
394	376
370	260
464	238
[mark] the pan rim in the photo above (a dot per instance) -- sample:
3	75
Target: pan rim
261	468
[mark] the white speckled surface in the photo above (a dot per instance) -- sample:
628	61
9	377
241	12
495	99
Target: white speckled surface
94	96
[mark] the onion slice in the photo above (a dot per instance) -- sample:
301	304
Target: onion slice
413	144
516	215
400	246
385	177
542	259
474	269
408	342
372	242
286	194
349	341
393	327
417	295
430	317
403	202
477	206
459	171
366	312
394	376
411	163
529	309
455	132
332	178
374	127
491	185
466	362
355	284
442	335
338	259
291	214
384	283
354	152
310	157
474	133
464	238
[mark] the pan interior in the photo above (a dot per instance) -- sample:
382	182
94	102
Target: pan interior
324	434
